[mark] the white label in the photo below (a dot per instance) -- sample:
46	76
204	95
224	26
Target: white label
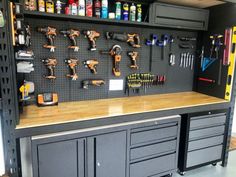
115	85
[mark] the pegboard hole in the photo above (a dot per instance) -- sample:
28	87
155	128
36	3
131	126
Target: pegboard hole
9	101
8	91
4	91
2	69
3	80
1	58
4	46
7	122
10	111
5	57
7	79
3	34
0	46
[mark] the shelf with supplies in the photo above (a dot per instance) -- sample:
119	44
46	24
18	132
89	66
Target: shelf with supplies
36	14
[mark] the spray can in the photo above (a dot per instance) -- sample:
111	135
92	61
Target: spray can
118	10
41	5
139	12
58	7
73	9
89	8
104	8
49	6
81	8
126	11
97	8
132	14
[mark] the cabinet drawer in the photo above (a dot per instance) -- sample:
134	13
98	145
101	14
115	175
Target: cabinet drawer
204	156
204	143
154	149
207	122
207	132
149	136
153	166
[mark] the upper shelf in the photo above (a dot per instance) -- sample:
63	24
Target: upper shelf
37	14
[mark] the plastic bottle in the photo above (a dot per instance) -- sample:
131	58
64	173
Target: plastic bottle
132	14
81	8
126	11
97	8
74	8
41	5
58	7
139	12
49	6
89	8
118	10
104	8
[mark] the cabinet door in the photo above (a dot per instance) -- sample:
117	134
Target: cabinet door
107	155
61	159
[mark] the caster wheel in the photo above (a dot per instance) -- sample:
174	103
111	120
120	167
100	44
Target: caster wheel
182	173
214	164
169	175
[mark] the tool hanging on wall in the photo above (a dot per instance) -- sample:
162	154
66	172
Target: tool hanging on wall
72	34
92	65
151	42
227	44
50	34
172	59
24	55
72	63
92	37
2	20
47	99
25	67
187	38
163	43
186	46
206	80
26	89
50	63
87	83
132	39
186	60
115	52
133	55
231	69
160	80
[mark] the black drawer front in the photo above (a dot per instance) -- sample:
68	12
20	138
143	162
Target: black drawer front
153	166
148	136
154	149
203	156
207	122
206	132
204	143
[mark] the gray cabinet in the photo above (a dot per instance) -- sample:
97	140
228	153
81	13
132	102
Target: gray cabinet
96	156
61	159
107	155
202	139
173	16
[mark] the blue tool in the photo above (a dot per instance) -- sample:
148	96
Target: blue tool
207	62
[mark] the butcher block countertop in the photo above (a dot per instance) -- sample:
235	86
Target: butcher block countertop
68	112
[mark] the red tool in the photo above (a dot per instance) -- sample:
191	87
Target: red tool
227	43
206	80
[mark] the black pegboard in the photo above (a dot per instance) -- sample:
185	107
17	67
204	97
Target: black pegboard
178	79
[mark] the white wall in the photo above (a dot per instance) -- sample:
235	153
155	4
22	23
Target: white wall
2	165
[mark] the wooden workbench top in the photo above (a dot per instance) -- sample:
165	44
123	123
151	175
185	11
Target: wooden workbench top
34	116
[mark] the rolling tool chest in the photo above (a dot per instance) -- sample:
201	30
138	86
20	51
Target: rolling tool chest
124	88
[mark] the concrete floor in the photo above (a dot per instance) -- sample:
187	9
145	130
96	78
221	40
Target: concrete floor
218	171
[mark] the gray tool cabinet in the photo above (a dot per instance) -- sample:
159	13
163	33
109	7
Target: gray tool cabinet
135	149
203	139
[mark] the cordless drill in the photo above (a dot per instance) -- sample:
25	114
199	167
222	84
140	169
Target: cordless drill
50	63
133	56
131	39
92	37
98	83
72	63
92	65
50	34
72	34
